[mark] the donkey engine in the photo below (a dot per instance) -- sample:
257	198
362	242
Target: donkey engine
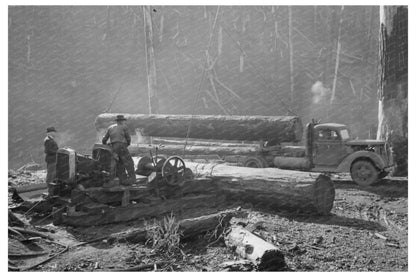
164	171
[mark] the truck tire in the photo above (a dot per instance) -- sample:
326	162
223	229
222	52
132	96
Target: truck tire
364	173
255	162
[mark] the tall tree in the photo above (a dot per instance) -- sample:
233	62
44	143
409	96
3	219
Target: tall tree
291	54
392	119
150	61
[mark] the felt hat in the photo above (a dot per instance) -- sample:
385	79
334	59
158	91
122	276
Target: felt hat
50	129
120	117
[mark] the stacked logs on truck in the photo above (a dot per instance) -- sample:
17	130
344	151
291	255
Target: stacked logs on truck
271	187
243	128
196	150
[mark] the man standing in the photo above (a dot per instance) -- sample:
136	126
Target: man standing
50	150
120	138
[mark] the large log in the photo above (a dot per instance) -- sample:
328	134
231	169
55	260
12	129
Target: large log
193	150
245	128
264	255
110	195
271	187
138	211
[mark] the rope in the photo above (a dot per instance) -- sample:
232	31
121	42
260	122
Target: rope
200	83
265	82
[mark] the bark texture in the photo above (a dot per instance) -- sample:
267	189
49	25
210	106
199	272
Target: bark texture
109	214
172	150
271	187
265	255
393	118
245	128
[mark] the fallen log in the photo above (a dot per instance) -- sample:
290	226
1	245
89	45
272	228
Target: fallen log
109	195
141	267
156	208
138	194
34	233
14	220
264	255
271	187
23	255
245	128
31	187
189	228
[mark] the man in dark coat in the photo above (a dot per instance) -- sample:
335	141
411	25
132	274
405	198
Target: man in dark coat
120	138
50	150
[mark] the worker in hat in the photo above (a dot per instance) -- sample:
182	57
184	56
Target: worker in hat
50	150
120	138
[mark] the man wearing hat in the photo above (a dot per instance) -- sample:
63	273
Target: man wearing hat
120	138
50	150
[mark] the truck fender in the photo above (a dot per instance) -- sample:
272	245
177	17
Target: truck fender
345	165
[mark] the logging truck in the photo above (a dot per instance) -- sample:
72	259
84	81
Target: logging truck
329	148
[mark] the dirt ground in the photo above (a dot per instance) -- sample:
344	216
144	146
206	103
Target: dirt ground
367	230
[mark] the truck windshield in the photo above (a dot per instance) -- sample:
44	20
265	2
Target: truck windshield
344	134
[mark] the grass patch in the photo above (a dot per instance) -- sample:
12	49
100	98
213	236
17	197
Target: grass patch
165	235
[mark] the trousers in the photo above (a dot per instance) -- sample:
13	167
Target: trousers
50	172
50	176
124	162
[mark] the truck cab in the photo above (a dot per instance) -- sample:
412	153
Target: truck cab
330	148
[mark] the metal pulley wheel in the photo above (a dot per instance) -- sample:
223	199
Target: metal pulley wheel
146	166
173	170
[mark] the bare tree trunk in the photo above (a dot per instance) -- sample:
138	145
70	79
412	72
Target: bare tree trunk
291	55
315	15
150	62
392	117
162	19
334	84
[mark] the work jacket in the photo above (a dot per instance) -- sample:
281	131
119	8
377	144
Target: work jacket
50	149
117	133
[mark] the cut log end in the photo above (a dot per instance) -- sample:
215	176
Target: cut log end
266	256
324	194
272	260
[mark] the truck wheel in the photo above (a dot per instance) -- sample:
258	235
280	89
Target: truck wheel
364	173
255	162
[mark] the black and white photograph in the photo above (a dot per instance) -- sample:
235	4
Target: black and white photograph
243	137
